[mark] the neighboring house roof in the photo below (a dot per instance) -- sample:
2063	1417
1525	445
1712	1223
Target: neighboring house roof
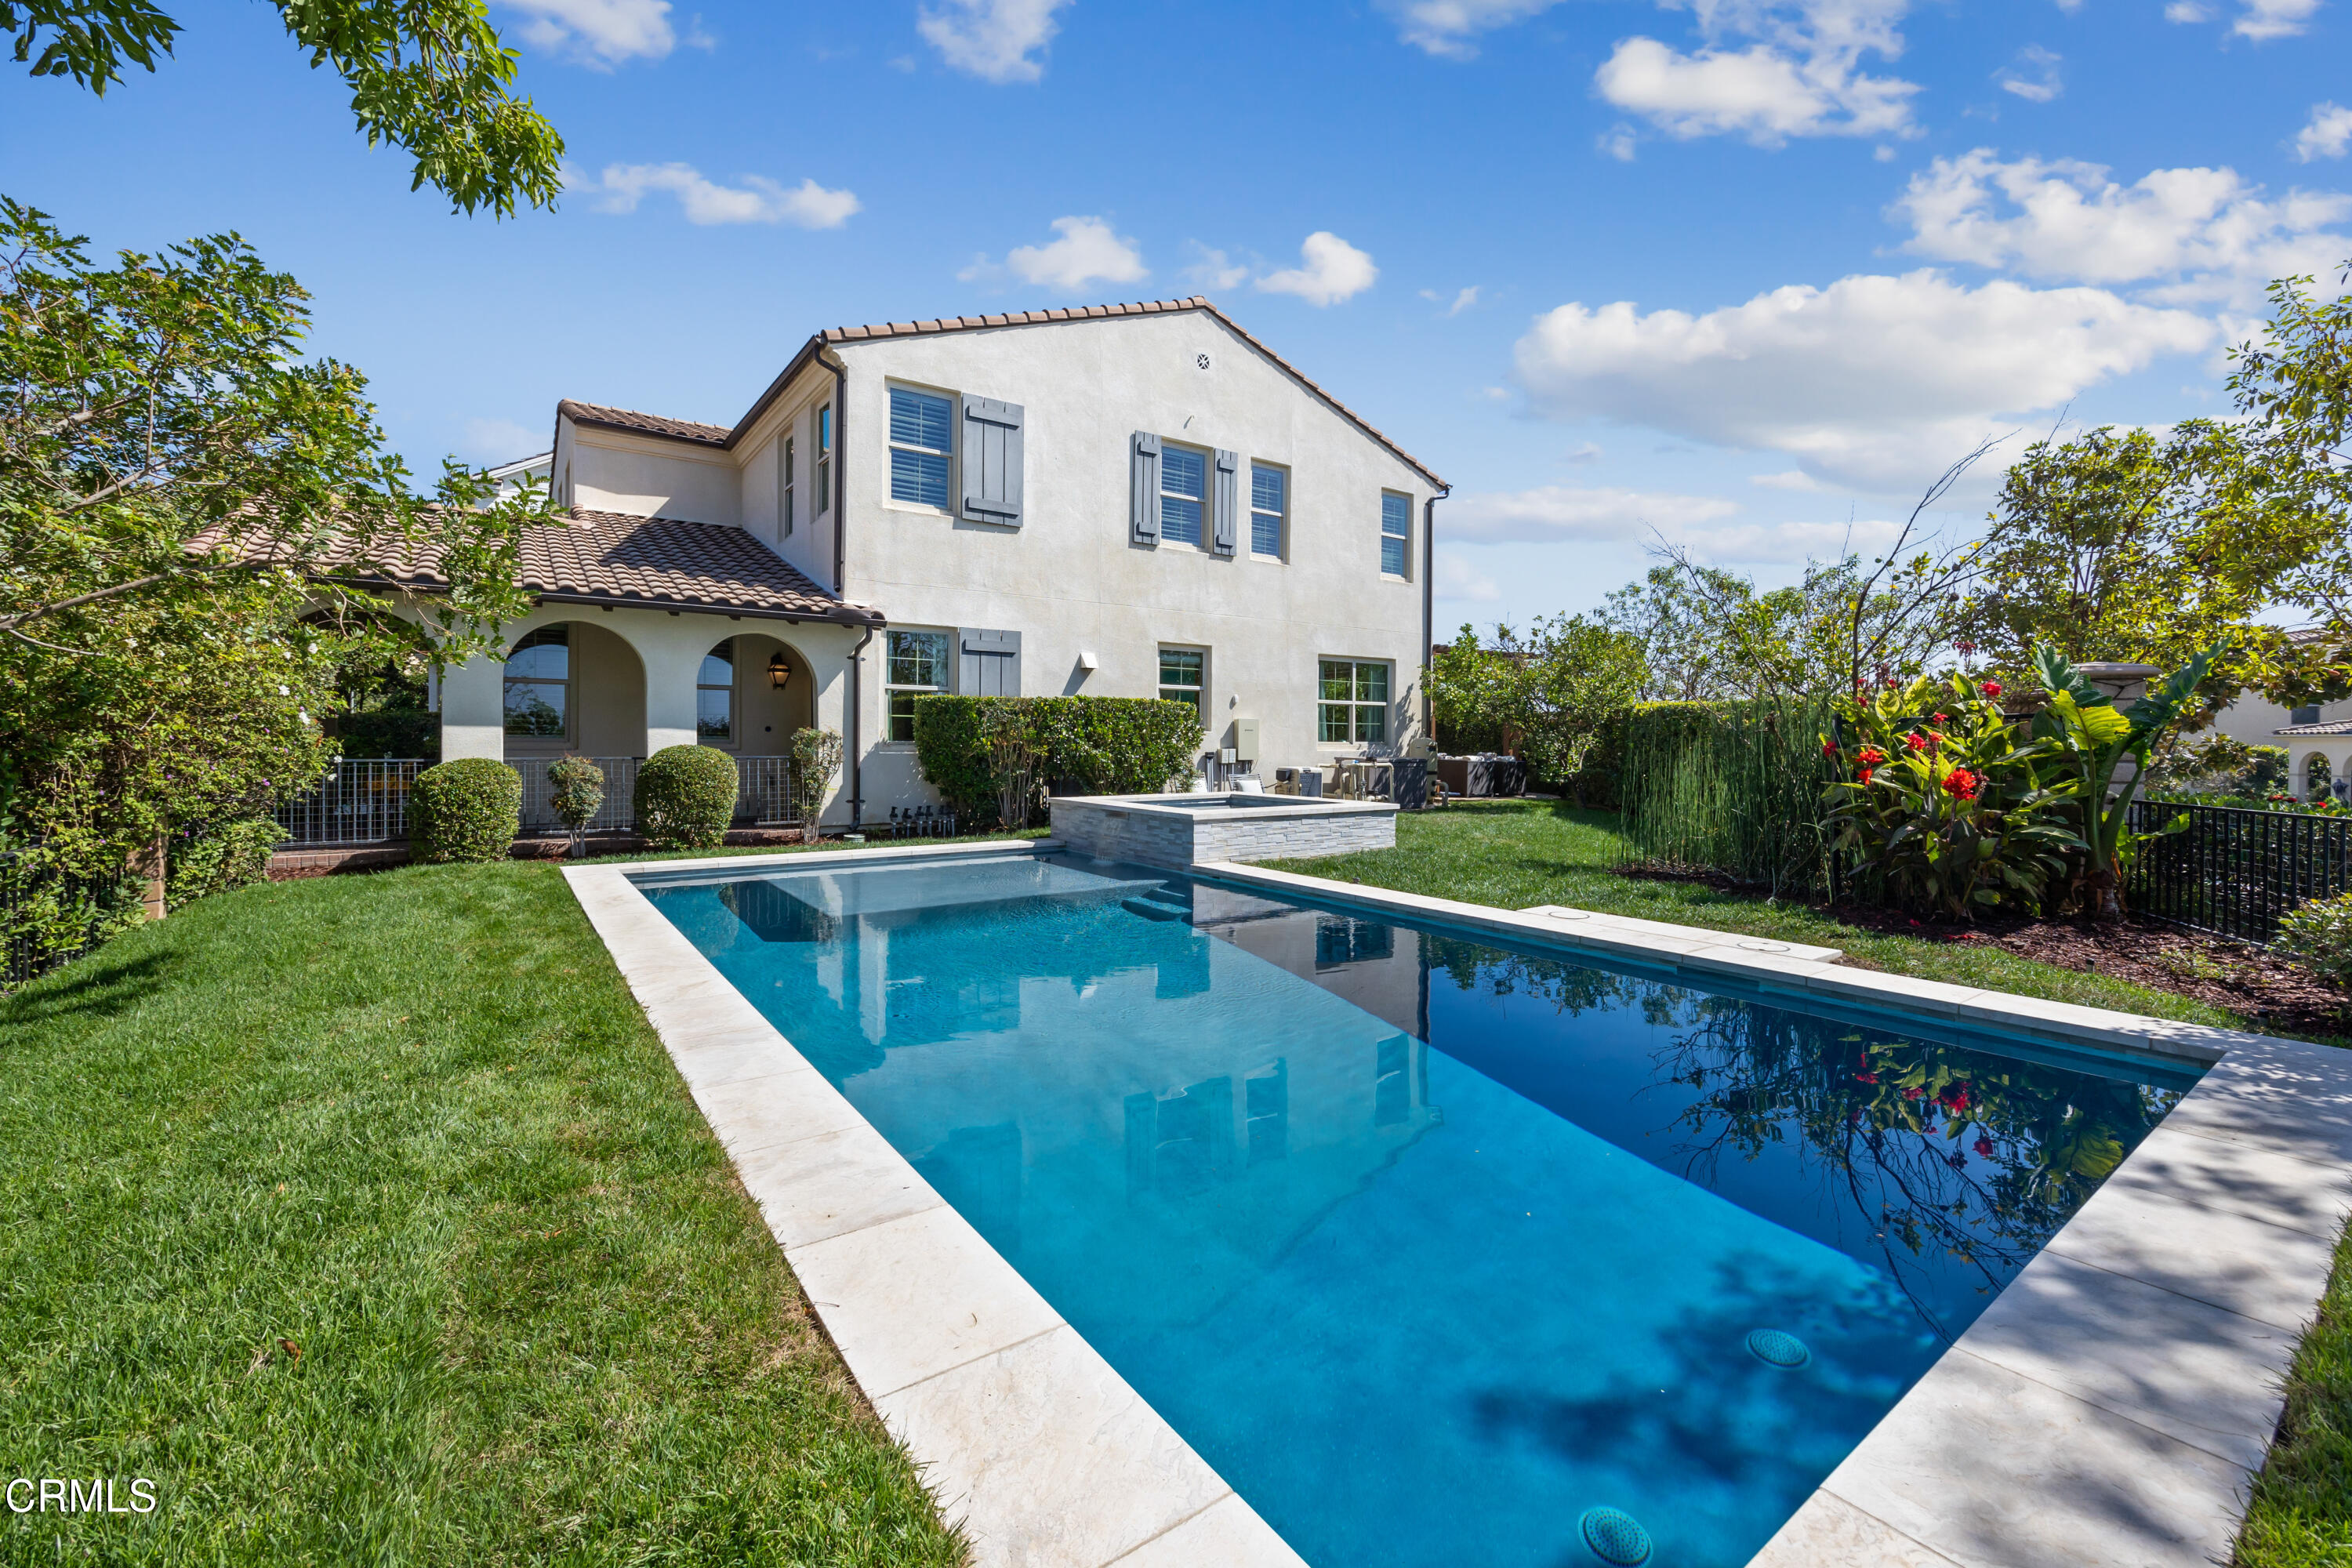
2333	727
719	435
656	563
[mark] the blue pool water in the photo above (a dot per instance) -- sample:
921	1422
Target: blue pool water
1438	1249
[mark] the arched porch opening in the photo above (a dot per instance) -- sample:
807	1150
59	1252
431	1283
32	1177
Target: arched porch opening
2318	776
572	687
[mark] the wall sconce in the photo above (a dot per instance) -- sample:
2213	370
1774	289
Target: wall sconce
779	671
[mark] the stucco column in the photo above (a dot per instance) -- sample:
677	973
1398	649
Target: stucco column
473	710
673	658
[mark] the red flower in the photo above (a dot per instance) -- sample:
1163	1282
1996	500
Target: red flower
1829	748
1912	1092
1865	1078
1872	757
1865	774
1962	784
1990	688
1954	1098
1916	740
1965	649
1943	718
1984	1147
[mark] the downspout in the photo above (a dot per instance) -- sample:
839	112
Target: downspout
856	703
839	458
1429	608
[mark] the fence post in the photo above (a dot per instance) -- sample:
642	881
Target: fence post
151	862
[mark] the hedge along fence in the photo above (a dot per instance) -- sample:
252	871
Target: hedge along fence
685	797
1729	787
1106	745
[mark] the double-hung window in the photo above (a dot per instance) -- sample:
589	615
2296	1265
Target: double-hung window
787	458
1180	676
714	696
1269	509
824	462
538	681
921	442
919	668
1183	494
1396	532
1353	703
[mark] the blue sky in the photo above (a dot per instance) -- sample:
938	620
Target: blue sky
1745	275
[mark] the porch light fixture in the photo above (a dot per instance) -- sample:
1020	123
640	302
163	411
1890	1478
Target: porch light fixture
779	671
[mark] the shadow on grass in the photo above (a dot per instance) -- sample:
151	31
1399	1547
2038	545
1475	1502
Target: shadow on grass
102	985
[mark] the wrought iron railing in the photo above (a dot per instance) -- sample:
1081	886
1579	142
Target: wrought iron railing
616	813
360	801
48	916
2233	872
366	800
763	796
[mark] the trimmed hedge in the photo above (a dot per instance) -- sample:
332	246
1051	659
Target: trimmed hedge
1108	745
469	809
224	857
685	797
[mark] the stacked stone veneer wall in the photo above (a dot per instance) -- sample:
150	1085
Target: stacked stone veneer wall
1131	831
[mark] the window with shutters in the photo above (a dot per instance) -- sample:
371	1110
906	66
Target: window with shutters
1352	703
539	684
917	667
1184	493
1269	509
1183	676
823	462
714	696
786	459
1396	533
922	442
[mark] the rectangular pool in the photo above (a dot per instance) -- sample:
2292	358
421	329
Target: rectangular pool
1434	1247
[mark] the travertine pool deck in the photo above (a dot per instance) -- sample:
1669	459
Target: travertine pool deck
2108	1408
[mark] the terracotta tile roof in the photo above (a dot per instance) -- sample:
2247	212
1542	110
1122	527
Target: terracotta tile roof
618	558
713	435
2333	727
643	424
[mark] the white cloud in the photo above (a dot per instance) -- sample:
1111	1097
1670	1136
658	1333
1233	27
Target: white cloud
2258	19
1459	581
2185	11
808	204
1333	270
1553	512
1874	382
494	441
992	39
1790	480
1462	301
1617	141
2328	135
1801	77
1089	251
1446	27
1213	268
1789	544
599	33
2206	233
2032	75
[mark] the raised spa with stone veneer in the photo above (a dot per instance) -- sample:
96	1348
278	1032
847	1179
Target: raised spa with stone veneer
1180	830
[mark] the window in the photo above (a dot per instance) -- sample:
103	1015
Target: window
919	668
920	442
824	462
1396	531
539	679
1269	503
2307	714
789	459
714	695
1183	494
1354	704
1180	675
1339	939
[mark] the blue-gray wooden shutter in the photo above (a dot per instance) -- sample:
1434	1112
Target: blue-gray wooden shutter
1143	487
1228	528
988	663
992	460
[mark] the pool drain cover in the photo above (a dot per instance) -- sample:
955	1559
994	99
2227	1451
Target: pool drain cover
1775	1348
1615	1536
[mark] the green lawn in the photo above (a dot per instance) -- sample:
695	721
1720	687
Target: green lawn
414	1125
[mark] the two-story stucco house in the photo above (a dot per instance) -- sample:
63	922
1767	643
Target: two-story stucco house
1128	501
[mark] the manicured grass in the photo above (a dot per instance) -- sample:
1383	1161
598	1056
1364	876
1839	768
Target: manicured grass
414	1125
1515	854
2302	1510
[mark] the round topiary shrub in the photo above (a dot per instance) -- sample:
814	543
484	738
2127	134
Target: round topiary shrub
469	809
685	797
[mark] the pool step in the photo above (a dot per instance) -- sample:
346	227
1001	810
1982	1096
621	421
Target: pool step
1162	904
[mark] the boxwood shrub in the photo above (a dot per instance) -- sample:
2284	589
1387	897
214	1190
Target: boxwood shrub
685	797
1103	745
469	809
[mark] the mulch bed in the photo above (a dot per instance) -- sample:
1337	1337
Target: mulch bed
2233	975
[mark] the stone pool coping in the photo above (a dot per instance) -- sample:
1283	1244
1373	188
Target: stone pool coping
2108	1409
2112	1404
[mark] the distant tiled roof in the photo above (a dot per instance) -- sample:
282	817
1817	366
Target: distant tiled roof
2333	727
618	558
714	436
643	424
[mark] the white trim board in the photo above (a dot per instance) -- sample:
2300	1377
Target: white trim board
2108	1409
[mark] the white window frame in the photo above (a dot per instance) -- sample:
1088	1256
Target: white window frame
1356	705
824	424
1164	687
1282	518
1405	538
787	457
1205	500
955	417
892	688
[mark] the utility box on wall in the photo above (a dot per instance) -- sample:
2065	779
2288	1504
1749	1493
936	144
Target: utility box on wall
1245	744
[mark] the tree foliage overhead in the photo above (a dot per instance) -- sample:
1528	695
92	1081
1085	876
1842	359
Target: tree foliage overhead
428	76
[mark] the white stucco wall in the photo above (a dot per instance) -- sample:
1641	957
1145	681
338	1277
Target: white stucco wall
612	470
1069	579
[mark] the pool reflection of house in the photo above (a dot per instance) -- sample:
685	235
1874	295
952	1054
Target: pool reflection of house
1237	1142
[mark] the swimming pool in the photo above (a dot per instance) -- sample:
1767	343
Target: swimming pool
1432	1244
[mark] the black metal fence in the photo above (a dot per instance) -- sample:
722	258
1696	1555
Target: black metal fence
365	801
48	917
2234	872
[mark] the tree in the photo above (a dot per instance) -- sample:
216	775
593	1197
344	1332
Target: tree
190	517
1555	690
1672	613
429	76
